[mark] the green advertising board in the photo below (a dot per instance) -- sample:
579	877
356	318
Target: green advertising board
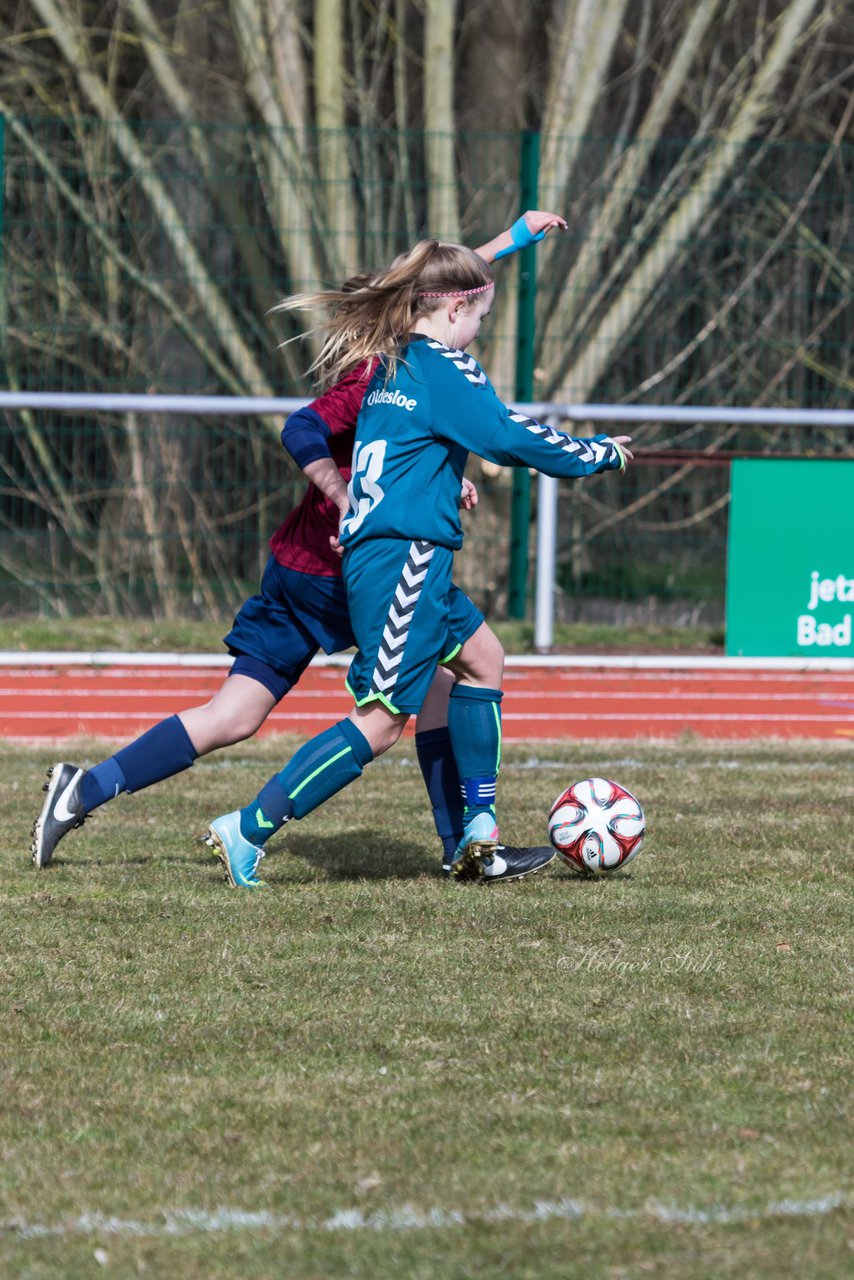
790	564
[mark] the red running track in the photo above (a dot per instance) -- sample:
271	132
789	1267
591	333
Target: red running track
46	703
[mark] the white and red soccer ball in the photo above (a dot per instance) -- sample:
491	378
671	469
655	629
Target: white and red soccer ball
597	826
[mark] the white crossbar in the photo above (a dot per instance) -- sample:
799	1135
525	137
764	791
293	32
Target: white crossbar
262	406
84	401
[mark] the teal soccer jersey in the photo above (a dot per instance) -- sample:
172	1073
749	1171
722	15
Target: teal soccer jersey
413	438
415	433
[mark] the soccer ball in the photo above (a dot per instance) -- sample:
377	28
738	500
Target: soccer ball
596	826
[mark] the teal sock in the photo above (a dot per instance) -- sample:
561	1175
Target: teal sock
474	723
321	768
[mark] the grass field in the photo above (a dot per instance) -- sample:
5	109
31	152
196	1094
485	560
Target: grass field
367	1072
182	636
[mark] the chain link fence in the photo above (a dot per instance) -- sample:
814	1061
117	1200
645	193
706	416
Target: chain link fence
158	275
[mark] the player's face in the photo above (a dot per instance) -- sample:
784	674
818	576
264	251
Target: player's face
468	319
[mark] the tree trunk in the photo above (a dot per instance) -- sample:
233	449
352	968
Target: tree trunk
443	215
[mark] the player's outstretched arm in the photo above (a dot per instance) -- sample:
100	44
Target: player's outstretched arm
522	441
556	453
527	230
484	425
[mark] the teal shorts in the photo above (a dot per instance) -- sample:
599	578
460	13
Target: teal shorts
407	617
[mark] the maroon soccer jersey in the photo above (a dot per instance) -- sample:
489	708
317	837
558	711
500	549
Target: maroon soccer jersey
302	541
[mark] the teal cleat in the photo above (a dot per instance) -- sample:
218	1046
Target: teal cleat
476	850
237	854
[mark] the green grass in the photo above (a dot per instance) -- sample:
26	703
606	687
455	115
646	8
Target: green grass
366	1039
137	635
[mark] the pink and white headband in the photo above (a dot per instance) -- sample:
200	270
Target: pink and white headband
459	293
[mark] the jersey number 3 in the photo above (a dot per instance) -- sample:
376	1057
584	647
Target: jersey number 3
367	468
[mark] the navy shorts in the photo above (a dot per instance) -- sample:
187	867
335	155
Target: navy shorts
276	633
407	616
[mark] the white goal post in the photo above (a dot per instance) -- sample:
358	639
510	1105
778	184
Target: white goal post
548	411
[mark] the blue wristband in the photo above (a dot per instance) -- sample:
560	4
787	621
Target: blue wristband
522	238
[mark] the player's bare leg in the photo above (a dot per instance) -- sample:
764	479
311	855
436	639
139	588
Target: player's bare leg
481	659
380	727
236	711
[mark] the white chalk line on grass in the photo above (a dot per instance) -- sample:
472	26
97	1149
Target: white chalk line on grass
184	1222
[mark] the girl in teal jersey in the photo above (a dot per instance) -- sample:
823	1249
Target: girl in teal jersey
427	406
300	608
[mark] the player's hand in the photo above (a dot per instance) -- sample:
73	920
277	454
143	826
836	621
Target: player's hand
539	222
624	442
526	230
468	495
334	540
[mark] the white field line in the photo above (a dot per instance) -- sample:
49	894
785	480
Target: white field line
632	662
185	1222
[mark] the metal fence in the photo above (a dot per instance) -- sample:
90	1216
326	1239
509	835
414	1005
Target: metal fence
159	276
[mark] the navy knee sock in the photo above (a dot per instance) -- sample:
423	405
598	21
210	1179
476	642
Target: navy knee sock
442	780
159	753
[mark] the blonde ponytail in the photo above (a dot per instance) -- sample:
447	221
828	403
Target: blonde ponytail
371	314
